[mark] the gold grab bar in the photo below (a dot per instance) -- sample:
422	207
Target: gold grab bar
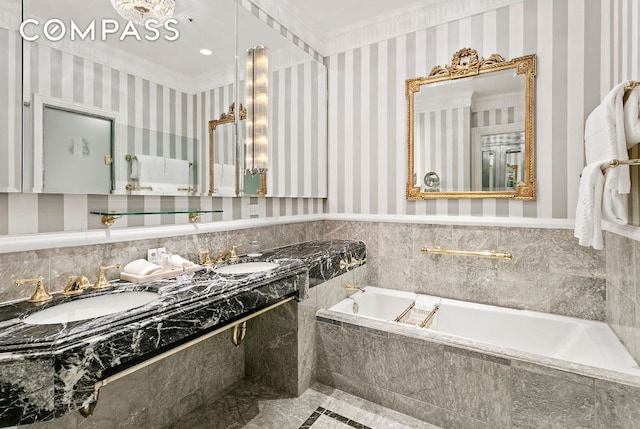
492	254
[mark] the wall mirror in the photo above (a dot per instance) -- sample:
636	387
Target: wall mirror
471	129
10	78
164	93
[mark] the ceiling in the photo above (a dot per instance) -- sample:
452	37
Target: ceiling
329	17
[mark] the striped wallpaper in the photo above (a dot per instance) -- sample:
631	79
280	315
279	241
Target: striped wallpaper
10	77
367	108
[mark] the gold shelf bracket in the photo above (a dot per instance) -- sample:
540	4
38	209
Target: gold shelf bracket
491	254
108	220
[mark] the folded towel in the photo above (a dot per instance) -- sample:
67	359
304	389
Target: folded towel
179	262
141	267
588	224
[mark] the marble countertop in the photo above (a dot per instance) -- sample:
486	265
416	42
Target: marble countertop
49	370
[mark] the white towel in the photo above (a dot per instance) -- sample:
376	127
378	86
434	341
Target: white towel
141	267
179	262
176	172
147	169
632	117
588	224
228	177
605	139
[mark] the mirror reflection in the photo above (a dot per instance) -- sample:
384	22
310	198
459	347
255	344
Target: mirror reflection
471	129
161	93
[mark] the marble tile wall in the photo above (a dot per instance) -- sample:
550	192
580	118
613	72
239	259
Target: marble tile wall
280	344
158	394
56	265
457	388
623	290
549	272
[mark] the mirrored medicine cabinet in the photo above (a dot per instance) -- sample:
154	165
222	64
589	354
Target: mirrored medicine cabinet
471	129
90	108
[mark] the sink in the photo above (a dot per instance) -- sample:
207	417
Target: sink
246	268
89	308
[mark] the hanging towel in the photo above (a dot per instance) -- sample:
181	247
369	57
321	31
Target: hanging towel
588	227
605	140
147	169
176	173
632	117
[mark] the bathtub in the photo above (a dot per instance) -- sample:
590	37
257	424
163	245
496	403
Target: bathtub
561	338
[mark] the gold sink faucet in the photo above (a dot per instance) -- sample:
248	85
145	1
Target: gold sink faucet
40	295
207	258
76	285
232	253
102	280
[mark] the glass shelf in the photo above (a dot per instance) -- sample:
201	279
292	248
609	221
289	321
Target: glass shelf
108	218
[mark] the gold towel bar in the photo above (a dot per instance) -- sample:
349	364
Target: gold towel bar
617	162
492	254
129	158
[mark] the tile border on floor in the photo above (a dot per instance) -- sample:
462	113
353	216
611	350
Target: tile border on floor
320	411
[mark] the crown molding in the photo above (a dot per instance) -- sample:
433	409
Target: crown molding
407	20
402	21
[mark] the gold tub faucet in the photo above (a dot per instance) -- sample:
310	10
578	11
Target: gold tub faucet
40	295
349	286
102	280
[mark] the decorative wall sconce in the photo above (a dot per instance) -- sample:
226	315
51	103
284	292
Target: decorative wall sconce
257	85
139	11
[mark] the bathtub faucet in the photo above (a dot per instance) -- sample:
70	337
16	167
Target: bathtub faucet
349	286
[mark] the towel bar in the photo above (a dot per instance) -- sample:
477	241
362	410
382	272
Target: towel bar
129	158
616	162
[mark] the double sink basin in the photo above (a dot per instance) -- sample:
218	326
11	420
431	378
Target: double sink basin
104	305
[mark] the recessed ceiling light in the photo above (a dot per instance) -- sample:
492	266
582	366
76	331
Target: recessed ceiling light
206	51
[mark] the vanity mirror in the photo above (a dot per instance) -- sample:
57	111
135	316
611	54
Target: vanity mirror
164	90
10	76
471	129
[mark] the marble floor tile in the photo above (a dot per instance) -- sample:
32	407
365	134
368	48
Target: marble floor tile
252	406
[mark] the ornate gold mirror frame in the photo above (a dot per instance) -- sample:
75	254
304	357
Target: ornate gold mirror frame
466	63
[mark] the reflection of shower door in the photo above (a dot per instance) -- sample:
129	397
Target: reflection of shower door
502	162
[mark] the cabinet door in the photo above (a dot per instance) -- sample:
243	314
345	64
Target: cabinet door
10	94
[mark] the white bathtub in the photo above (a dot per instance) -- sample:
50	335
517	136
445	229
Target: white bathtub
570	339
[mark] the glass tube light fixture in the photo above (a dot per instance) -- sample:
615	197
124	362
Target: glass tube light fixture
257	85
139	11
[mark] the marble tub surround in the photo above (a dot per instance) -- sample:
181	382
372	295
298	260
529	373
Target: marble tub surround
455	383
69	359
623	290
281	346
549	272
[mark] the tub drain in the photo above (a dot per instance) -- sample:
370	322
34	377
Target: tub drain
356	308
